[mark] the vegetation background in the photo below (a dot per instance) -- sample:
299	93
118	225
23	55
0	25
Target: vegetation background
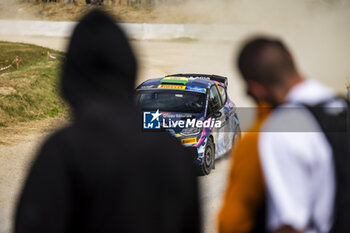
162	11
29	91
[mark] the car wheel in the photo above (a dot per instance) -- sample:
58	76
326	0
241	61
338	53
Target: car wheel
209	158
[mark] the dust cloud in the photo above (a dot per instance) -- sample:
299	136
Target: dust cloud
317	31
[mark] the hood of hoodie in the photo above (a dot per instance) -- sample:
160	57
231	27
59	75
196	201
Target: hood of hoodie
100	63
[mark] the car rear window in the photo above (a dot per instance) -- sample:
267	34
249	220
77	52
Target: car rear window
171	100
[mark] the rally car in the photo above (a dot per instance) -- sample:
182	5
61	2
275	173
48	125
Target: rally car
194	108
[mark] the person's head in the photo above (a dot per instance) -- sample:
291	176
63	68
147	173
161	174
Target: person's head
100	64
268	70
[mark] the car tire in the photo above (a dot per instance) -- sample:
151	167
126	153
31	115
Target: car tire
209	159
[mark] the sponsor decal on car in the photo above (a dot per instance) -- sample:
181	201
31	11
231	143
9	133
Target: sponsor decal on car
189	140
199	77
171	86
175	80
218	88
197	89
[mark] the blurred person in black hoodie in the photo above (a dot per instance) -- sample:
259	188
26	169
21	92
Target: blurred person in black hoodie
101	173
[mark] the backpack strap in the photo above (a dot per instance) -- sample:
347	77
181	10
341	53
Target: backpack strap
331	119
336	127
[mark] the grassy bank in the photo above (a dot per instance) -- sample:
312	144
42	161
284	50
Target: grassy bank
29	92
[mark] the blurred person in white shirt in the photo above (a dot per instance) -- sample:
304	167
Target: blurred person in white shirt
295	155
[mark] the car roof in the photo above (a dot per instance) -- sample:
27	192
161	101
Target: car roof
196	80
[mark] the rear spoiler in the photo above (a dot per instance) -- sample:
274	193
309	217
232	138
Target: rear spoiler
212	77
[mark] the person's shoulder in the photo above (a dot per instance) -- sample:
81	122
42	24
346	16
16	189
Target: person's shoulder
290	126
292	130
289	118
310	92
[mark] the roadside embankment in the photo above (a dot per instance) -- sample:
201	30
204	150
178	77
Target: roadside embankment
28	83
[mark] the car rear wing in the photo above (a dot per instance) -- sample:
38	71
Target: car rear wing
213	77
